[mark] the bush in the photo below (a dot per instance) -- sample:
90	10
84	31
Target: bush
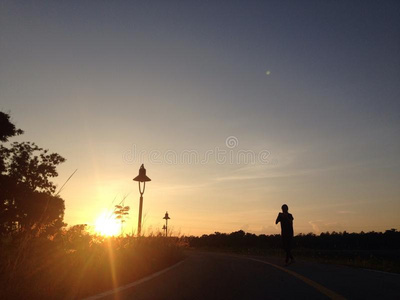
74	264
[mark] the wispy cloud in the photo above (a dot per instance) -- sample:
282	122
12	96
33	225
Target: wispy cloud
281	169
346	212
319	226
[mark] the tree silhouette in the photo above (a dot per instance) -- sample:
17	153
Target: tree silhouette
7	129
340	241
27	199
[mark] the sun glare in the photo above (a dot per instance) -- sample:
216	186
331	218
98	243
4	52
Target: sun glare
107	225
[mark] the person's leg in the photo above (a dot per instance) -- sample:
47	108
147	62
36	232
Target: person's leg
286	247
287	256
290	246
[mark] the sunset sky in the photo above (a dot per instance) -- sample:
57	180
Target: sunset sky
234	107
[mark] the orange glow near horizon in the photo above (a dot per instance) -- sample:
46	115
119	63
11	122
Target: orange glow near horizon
107	225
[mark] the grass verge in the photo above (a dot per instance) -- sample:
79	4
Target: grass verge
380	260
81	267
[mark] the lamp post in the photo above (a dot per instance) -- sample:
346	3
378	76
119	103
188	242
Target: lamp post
141	178
164	228
166	218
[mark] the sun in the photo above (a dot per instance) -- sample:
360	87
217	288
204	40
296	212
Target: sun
107	225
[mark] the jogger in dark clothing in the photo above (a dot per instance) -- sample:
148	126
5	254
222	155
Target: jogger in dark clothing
286	220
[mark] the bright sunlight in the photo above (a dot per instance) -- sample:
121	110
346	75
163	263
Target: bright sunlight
107	225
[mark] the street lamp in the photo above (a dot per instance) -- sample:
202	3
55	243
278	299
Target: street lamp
141	178
166	218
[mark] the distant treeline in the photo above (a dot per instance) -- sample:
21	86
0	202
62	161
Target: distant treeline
388	240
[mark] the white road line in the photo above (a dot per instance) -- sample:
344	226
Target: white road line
319	287
132	284
382	272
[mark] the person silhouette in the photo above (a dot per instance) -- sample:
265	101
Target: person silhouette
286	220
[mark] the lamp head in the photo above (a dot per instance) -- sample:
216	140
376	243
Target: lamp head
142	175
166	217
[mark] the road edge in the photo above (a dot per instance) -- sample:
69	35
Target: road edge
134	283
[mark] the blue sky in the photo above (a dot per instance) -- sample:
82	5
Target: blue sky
315	83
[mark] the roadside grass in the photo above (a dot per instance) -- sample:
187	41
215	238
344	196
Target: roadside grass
370	250
380	260
75	264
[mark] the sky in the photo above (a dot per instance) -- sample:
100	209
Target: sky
234	107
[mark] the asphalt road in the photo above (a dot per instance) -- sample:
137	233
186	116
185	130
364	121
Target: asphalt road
205	275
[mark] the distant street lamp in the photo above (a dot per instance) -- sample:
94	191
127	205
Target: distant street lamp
141	178
166	218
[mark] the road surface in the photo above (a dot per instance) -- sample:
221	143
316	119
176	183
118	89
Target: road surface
205	275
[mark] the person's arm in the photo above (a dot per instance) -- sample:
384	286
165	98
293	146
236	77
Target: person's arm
278	219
